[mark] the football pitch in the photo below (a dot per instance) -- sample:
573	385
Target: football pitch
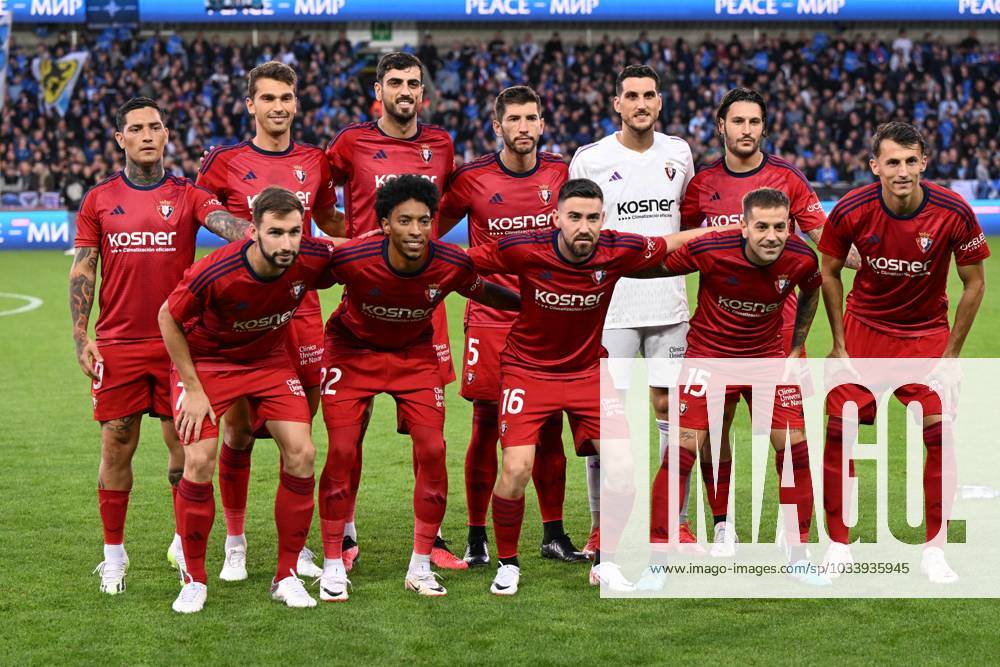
51	540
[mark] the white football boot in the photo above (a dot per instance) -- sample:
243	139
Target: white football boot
505	583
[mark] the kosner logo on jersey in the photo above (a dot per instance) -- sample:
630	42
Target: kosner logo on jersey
267	322
633	207
142	241
556	301
394	313
520	223
382	179
303	196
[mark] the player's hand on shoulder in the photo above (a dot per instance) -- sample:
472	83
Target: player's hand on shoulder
194	407
88	356
204	155
853	259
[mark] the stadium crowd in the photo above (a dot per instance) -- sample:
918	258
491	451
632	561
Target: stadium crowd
828	93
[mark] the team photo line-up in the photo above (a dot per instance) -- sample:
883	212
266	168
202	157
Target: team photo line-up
565	265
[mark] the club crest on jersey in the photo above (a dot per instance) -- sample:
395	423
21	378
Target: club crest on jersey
599	276
470	377
683	407
924	241
300	174
503	427
670	171
544	193
298	289
425	153
782	283
433	292
165	209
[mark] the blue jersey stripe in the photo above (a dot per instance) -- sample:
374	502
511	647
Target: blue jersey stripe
214	268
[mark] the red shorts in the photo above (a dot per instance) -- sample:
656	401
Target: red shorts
862	341
527	401
274	392
305	342
442	345
353	376
481	372
134	378
787	411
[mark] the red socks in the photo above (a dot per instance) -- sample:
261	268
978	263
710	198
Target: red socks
718	493
335	496
508	515
234	478
293	510
662	518
549	471
194	513
113	506
481	461
430	491
800	493
939	483
833	474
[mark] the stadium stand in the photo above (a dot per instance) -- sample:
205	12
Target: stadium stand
827	92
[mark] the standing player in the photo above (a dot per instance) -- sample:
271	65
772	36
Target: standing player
906	231
364	157
237	174
643	175
142	225
744	276
224	327
715	197
551	362
380	341
506	193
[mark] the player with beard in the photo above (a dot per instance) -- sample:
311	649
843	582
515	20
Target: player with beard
715	197
551	360
365	156
142	226
506	193
644	175
224	326
237	174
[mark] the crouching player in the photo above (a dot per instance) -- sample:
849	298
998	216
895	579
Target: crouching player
746	275
380	340
224	326
551	362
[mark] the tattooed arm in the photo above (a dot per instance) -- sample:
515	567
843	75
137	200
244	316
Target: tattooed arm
226	225
82	277
804	313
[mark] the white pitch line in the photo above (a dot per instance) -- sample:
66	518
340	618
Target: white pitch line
33	302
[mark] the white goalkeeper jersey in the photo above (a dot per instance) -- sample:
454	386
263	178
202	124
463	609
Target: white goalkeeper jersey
642	194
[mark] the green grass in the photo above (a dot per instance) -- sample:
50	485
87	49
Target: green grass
50	539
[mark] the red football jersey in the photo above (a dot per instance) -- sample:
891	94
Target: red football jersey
237	174
900	288
146	239
739	310
563	304
235	319
384	309
715	196
501	203
363	158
